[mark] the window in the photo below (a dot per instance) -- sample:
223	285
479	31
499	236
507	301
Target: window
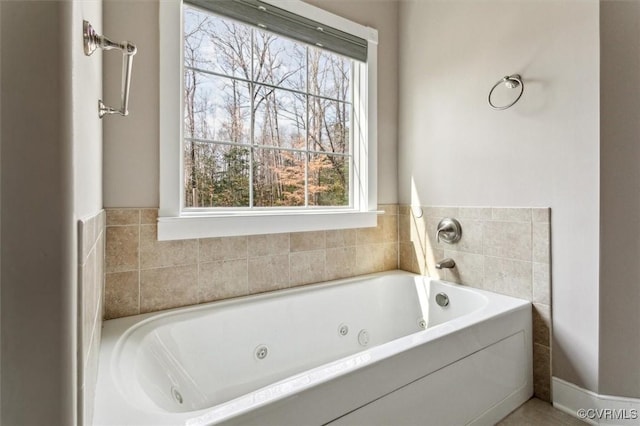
278	129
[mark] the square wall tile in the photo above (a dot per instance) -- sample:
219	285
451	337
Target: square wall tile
371	235
91	258
165	288
389	228
222	248
510	240
122	253
149	216
121	294
541	215
389	209
159	254
307	241
440	212
86	239
306	267
542	372
508	276
541	243
268	273
340	262
541	317
411	258
120	217
511	214
390	256
87	298
413	245
268	245
474	213
222	280
370	258
542	283
340	238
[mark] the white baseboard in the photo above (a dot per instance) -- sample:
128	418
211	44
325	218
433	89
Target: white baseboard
594	408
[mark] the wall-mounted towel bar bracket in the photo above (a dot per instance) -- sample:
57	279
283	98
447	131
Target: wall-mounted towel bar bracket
93	42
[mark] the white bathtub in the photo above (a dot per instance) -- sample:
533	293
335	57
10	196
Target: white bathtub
374	350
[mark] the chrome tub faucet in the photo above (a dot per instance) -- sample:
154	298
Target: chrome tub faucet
447	263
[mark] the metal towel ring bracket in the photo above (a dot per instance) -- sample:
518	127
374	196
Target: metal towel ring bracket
512	82
93	41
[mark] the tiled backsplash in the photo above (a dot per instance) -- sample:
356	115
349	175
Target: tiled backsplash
505	250
91	246
146	275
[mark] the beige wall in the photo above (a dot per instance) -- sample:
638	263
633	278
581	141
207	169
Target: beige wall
86	137
87	126
131	145
131	150
620	198
455	150
38	262
51	176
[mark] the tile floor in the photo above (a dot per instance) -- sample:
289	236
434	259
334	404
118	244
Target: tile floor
536	412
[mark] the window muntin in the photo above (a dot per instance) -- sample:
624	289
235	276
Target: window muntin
267	120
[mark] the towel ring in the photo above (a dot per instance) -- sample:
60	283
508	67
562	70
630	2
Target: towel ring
512	82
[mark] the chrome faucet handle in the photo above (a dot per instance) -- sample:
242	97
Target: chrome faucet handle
442	228
449	231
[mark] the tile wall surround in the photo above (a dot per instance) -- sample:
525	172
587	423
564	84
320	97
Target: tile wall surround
505	250
146	275
91	253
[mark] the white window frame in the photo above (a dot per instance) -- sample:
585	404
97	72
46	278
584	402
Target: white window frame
177	222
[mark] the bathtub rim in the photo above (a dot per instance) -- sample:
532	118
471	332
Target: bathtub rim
139	320
117	331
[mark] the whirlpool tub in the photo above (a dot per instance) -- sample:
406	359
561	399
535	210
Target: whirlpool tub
383	349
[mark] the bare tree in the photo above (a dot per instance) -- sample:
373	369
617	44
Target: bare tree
260	104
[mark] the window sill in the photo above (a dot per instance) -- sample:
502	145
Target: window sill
194	226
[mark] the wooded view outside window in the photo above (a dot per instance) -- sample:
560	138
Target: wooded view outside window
267	119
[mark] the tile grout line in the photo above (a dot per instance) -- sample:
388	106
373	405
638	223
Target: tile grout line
531	254
139	262
198	288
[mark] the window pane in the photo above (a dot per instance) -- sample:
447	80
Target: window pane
278	178
216	108
279	118
216	44
279	61
329	75
274	93
328	180
328	125
216	175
